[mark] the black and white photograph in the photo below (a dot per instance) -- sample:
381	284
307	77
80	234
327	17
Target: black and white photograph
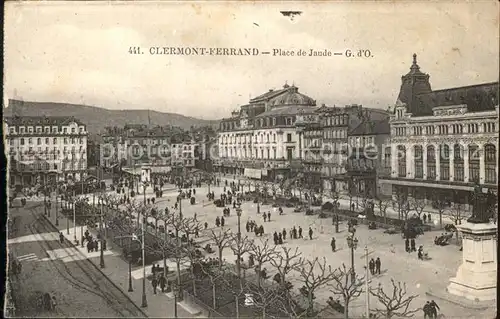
264	159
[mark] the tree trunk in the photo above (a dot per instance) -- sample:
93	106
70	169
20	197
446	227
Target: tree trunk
164	263
440	219
258	276
237	306
214	297
346	310
220	258
263	312
194	279
310	305
156	226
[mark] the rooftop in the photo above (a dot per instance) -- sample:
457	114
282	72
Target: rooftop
288	110
40	120
379	127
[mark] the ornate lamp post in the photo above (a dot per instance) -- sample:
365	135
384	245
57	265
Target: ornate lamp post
352	242
175	289
144	303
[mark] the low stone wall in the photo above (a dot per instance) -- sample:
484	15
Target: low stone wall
206	310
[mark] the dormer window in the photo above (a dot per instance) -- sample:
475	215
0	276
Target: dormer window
54	129
30	129
12	130
47	129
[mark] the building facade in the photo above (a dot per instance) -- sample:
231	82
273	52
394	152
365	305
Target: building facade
45	149
261	140
443	142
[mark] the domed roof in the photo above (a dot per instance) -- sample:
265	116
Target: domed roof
291	97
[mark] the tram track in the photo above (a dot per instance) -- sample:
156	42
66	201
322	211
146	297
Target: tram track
116	300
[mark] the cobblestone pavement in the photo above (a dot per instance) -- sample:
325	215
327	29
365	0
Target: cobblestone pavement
80	290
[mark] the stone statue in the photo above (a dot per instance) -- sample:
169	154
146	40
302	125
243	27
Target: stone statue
482	204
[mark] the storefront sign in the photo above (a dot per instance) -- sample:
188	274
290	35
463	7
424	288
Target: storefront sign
253	173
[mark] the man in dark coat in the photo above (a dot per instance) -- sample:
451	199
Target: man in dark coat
275	238
284	233
377	266
300	232
154	283
222	221
310	233
162	282
433	309
371	266
332	243
269	216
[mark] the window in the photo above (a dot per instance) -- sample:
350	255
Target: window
444	163
419	165
288	121
490	163
30	129
30	141
38	141
54	140
81	129
458	162
22	141
21	130
47	129
473	163
65	130
431	162
289	137
54	129
401	161
274	153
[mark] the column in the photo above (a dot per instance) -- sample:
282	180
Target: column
438	162
394	160
424	160
452	163
466	163
482	169
410	161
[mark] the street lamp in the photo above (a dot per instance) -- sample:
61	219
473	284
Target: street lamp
176	291
102	239
352	242
144	300
57	215
130	289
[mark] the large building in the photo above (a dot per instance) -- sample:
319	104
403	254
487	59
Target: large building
443	142
261	139
45	149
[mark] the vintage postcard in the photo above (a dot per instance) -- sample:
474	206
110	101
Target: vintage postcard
239	159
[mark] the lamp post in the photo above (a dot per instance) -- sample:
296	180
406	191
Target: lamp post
238	261
130	289
102	239
144	303
74	218
57	215
175	289
352	242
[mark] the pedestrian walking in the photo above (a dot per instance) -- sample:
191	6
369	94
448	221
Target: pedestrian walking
427	310
284	233
268	216
407	245
61	237
433	309
265	217
294	230
377	265
300	232
153	270
217	221
206	225
429	218
412	244
275	238
310	233
222	221
247	226
163	282
280	239
371	266
332	243
425	218
154	283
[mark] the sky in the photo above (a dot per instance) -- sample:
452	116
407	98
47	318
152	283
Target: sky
79	52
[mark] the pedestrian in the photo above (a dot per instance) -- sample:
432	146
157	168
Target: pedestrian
154	283
310	233
371	266
284	233
196	232
433	309
261	230
206	225
412	244
163	282
425	218
377	265
96	245
300	232
332	243
153	270
427	310
268	216
420	253
275	238
90	246
247	226
294	230
429	218
61	237
407	245
256	230
280	239
265	217
217	221
222	221
281	211
195	217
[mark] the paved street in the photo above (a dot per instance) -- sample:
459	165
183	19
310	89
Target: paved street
79	288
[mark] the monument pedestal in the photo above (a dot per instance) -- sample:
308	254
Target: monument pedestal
476	278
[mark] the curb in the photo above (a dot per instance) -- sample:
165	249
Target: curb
96	267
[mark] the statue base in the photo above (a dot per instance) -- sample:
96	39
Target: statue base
476	278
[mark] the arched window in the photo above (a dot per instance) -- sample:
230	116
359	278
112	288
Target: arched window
458	162
401	161
444	163
431	162
387	158
419	165
474	163
490	162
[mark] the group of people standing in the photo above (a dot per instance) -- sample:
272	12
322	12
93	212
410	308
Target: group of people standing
159	279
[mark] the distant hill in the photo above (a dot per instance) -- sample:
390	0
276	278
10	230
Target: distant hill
96	118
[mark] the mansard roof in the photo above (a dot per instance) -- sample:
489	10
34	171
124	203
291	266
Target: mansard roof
40	120
480	97
372	128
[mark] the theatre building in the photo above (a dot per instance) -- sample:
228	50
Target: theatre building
261	140
443	142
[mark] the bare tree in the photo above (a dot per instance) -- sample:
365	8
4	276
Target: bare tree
262	252
263	298
457	213
396	303
382	205
216	274
346	288
313	274
400	201
417	204
221	239
285	261
239	246
440	205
